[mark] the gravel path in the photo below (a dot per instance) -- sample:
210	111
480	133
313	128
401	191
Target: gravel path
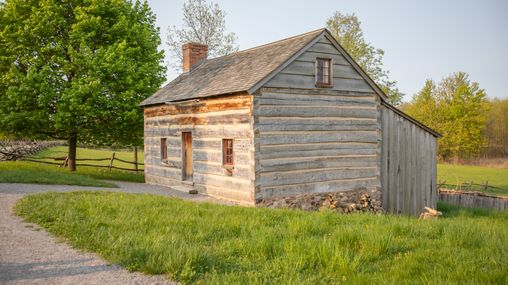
29	255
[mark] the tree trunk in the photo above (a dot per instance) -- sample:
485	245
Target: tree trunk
72	153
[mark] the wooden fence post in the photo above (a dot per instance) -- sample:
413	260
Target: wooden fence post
136	159
64	164
111	161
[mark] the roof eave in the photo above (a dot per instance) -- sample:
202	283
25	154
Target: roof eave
413	120
274	72
355	65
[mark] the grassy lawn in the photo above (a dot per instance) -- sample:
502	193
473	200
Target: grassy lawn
214	244
31	172
457	174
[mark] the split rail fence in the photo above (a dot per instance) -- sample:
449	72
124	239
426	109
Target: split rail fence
111	160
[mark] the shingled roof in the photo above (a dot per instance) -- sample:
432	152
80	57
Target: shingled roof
232	73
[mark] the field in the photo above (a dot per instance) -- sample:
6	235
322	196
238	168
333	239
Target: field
31	172
456	175
213	244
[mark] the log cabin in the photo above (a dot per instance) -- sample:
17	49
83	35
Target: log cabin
295	116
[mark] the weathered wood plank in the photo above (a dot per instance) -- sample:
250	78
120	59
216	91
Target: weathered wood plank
319	187
324	48
315	137
322	162
308	81
312	55
267	149
298	67
317	101
317	152
319	175
314	111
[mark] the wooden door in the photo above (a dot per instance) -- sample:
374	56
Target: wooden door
187	155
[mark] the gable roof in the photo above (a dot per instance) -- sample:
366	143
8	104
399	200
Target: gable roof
232	73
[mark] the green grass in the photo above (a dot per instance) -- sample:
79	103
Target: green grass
32	172
216	244
458	174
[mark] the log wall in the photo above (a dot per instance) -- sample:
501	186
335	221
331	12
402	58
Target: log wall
408	165
210	121
315	141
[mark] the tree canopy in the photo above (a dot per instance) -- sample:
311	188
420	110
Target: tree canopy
203	24
346	28
457	108
77	69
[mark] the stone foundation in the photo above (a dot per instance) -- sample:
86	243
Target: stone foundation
354	201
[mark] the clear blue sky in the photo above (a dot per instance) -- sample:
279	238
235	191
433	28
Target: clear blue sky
421	39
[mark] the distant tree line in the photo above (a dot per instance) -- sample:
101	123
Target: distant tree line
472	125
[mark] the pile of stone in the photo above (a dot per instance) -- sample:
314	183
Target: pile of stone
341	202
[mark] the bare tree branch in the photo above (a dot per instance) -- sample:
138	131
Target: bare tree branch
203	23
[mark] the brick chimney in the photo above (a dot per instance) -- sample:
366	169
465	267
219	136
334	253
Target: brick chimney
193	54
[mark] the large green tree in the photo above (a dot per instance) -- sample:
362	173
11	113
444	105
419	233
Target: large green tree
76	69
457	108
346	28
497	129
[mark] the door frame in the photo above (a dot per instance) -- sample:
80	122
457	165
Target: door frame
185	176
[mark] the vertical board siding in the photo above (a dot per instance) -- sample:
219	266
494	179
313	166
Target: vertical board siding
209	121
315	141
408	166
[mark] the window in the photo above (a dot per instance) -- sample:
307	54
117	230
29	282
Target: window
323	72
164	149
227	152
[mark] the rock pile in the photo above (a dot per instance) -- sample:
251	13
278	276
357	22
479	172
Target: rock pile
341	202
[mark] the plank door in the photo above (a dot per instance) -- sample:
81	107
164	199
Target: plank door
187	155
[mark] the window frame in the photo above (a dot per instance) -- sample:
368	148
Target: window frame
225	163
329	76
164	149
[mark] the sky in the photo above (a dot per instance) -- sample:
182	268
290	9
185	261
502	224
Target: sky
427	39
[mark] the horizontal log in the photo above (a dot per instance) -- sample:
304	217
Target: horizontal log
242	171
314	92
299	67
313	163
216	157
303	124
315	111
242	197
315	146
216	131
319	100
316	137
296	152
308	81
193	119
310	176
228	182
200	106
319	187
164	171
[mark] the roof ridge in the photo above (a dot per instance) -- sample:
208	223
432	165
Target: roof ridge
278	41
256	47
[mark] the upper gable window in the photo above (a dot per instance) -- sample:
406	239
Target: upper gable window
323	72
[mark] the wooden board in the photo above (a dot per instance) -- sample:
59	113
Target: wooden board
408	165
